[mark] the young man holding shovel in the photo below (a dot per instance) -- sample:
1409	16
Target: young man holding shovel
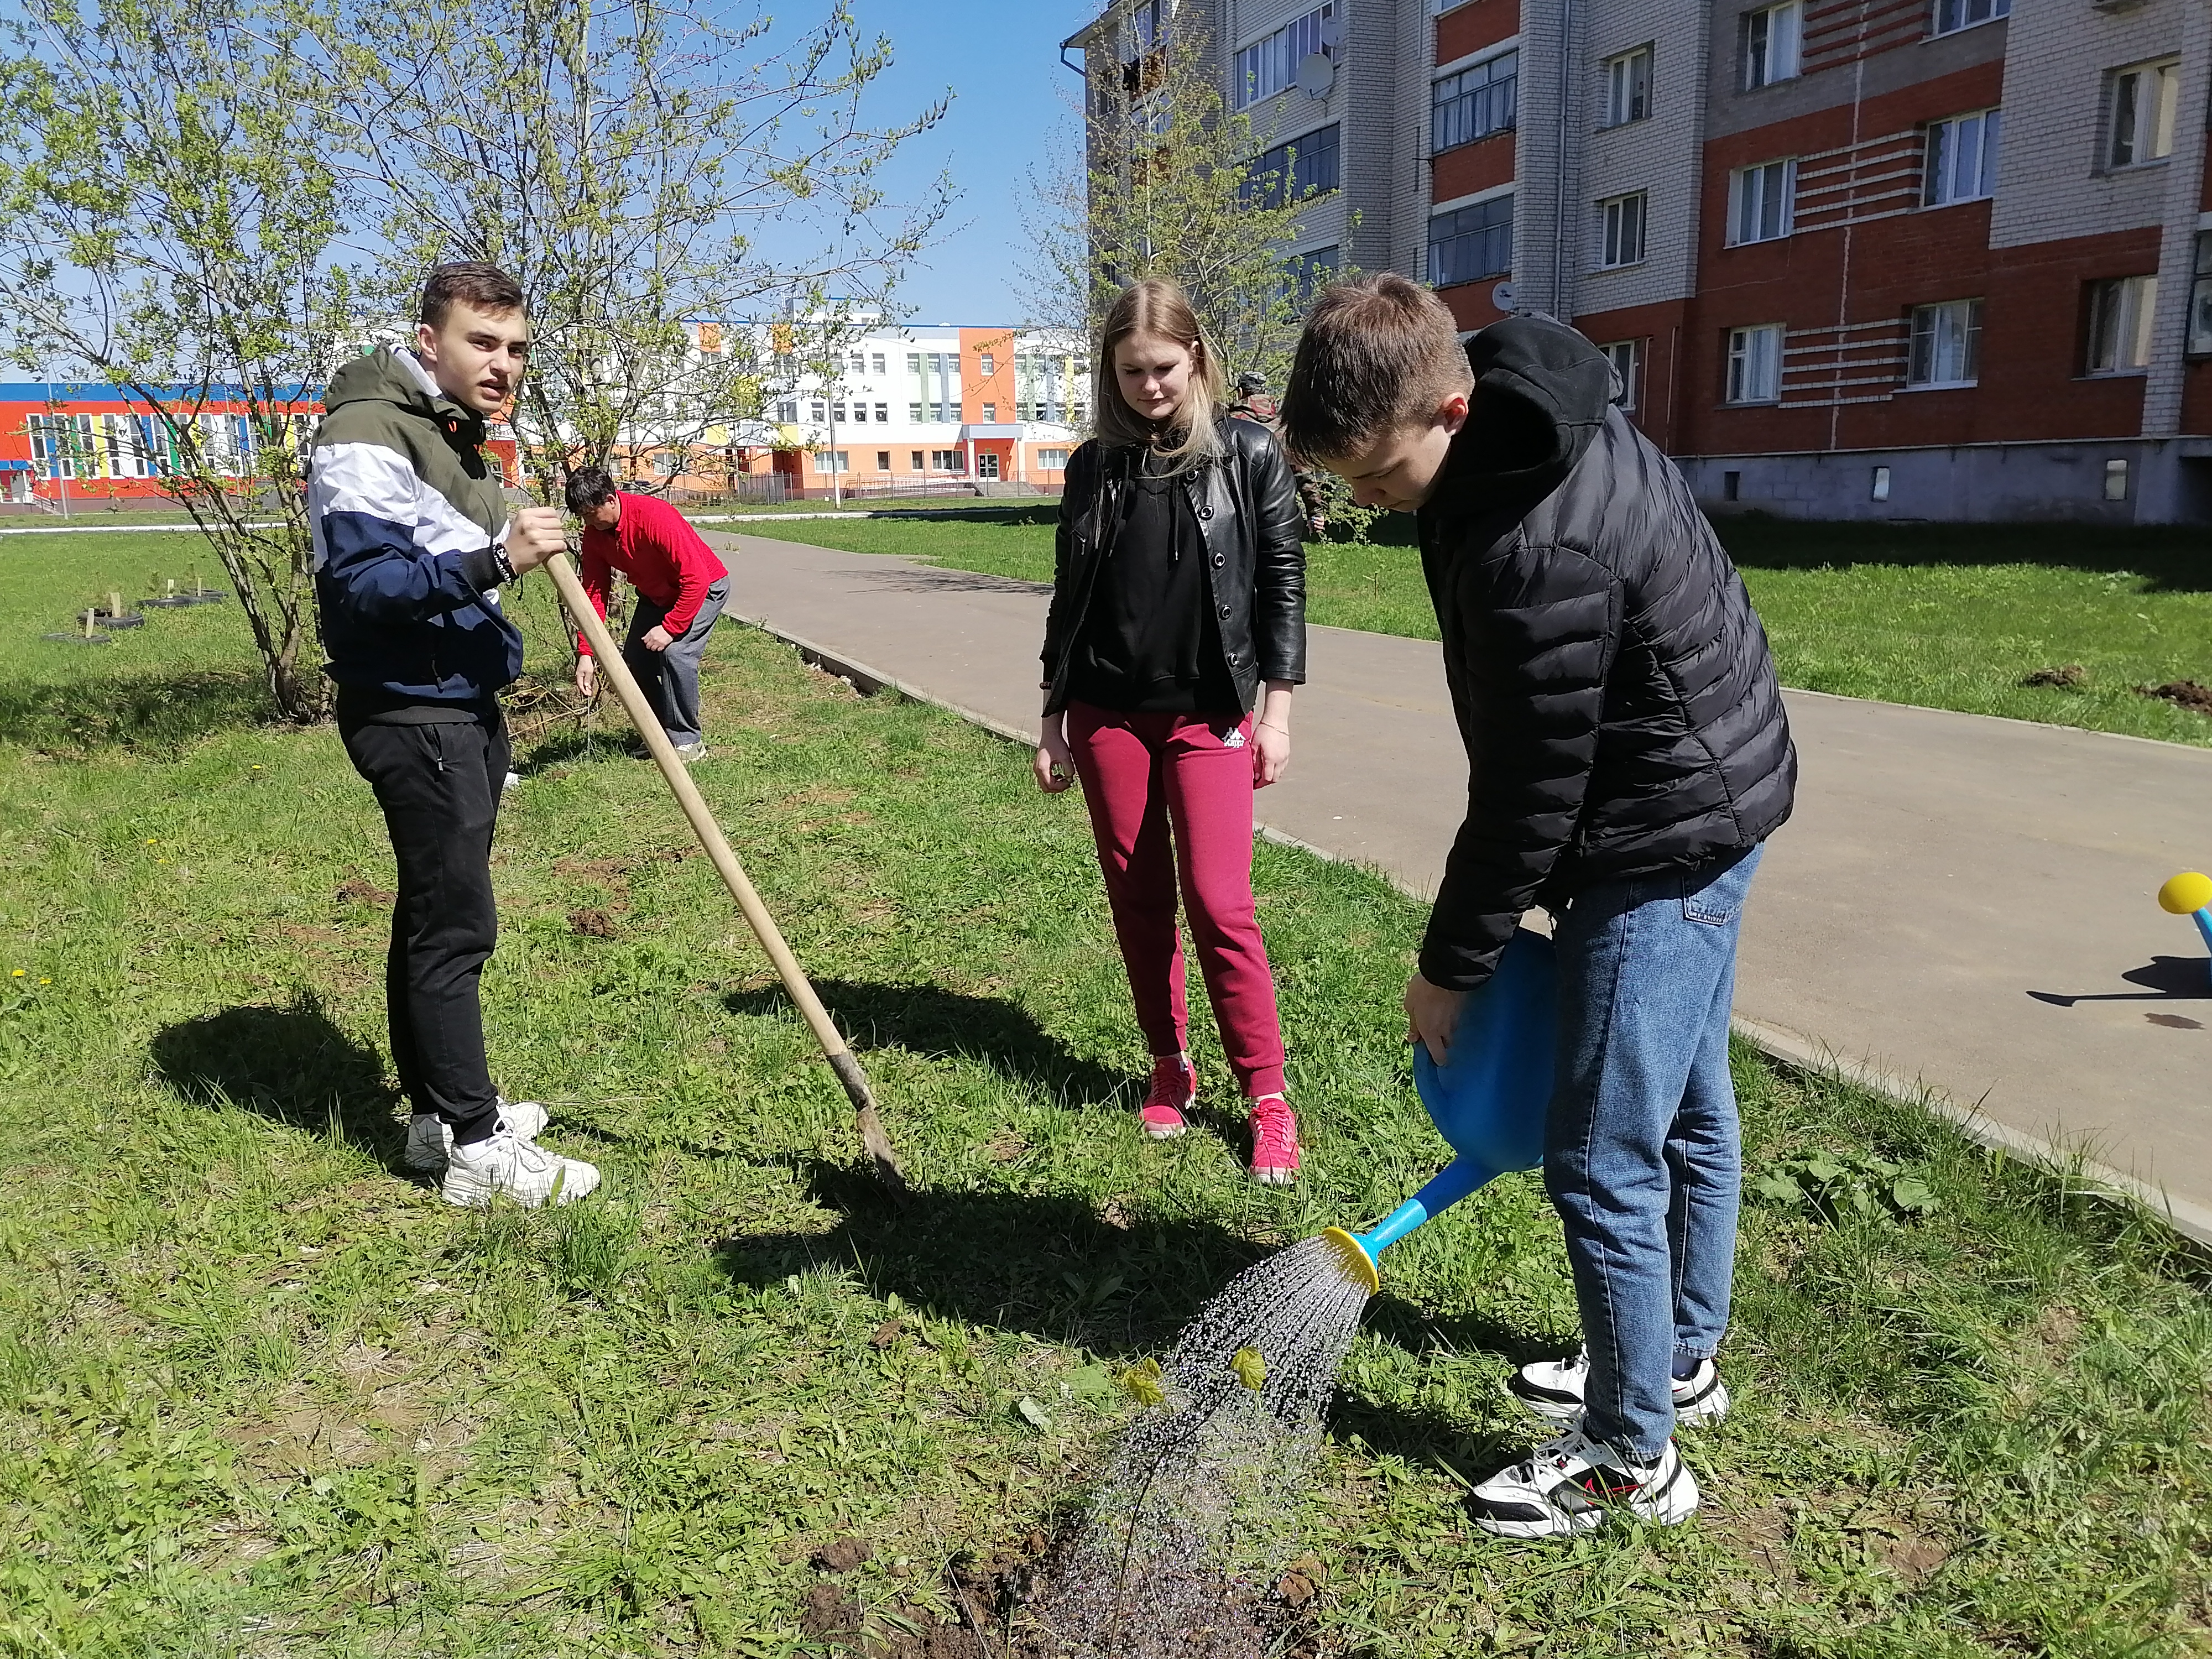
412	539
680	586
1628	756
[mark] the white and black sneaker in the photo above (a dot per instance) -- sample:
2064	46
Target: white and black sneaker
1553	1389
430	1137
1572	1483
507	1166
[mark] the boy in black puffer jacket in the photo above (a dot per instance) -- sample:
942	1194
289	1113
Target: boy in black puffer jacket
1628	756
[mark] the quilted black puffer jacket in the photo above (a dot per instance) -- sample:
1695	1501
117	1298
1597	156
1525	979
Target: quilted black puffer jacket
1612	683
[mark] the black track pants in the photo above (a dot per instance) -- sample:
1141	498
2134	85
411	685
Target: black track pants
438	787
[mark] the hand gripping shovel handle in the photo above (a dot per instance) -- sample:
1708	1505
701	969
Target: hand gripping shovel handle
873	1141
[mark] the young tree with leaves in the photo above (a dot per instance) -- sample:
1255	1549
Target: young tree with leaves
1166	181
167	226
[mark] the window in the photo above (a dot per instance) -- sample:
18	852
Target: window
836	414
913	414
1627	88
787	411
666	462
947	461
1475	103
883	414
53	453
883	461
1962	159
1878	489
1052	460
991	414
859	364
2143	104
1265	67
1954	14
1303	274
1732	486
2200	299
1761	201
989	364
1471	243
1946	345
1626	357
2116	481
821	411
1621	240
1293	171
2119	324
914	362
880	363
1754	364
832	461
1771	37
917	460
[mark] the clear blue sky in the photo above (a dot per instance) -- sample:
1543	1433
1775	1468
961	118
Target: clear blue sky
1002	59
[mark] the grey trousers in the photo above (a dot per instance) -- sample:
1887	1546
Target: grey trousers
670	678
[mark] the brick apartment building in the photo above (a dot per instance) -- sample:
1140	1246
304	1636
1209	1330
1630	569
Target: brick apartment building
1853	258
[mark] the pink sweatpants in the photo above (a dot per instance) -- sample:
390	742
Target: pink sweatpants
1140	773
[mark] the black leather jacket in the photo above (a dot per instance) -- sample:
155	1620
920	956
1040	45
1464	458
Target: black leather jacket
1248	507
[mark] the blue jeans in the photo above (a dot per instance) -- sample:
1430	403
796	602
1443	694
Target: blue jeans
1642	1154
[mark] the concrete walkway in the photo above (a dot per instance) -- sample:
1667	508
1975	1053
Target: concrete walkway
1959	904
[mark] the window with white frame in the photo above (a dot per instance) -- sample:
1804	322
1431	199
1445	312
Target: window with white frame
1762	202
1952	15
1962	159
990	414
913	414
1470	243
2200	299
1754	364
1626	357
1268	65
787	411
2120	314
988	364
1627	87
1052	460
948	460
837	414
860	363
880	363
1772	36
1473	103
1621	231
1946	346
2142	103
883	414
833	460
821	411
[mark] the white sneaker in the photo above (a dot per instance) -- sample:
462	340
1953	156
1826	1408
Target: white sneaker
1571	1483
430	1137
520	1170
1553	1389
689	752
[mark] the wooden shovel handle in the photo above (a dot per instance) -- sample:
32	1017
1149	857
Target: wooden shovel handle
796	985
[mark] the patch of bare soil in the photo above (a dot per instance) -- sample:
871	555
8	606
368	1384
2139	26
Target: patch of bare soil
358	891
2065	678
592	924
2190	694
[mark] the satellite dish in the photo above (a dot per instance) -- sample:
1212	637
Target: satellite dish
1502	296
1316	75
1332	31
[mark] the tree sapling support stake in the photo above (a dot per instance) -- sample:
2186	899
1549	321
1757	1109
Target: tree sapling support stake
873	1141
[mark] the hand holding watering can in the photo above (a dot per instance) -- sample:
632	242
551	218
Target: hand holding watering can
1488	1099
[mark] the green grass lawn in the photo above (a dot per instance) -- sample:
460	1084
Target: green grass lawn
1947	617
259	1395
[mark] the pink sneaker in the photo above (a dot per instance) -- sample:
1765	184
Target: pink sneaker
1275	1141
1175	1087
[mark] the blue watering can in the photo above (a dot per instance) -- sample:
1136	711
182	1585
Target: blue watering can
1489	1101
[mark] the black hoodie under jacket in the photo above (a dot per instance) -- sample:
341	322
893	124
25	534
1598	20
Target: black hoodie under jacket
1612	683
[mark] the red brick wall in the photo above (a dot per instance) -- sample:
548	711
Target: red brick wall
1663	328
2033	340
1471	27
1479	166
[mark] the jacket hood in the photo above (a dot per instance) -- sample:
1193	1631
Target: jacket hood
384	377
1541	393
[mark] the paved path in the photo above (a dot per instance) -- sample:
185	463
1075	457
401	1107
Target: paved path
1958	903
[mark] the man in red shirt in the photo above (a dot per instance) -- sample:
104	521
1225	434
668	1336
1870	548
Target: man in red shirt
680	586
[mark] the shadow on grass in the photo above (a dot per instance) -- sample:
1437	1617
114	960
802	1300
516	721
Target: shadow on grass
1048	1265
927	1019
292	1064
580	748
2170	558
73	717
